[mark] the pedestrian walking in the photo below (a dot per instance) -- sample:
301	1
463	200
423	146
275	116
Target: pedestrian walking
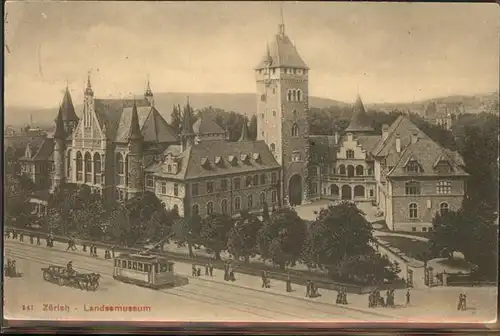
206	270
288	284
32	241
308	288
84	247
407	296
211	269
38	240
264	278
21	237
193	270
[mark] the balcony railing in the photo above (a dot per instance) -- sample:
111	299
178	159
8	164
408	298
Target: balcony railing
362	178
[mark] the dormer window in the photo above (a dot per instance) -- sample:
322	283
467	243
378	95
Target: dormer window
232	160
256	157
218	160
412	167
175	168
205	163
296	156
244	158
443	166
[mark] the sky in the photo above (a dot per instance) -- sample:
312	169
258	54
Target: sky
386	52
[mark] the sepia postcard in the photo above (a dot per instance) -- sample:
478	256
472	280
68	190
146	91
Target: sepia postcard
251	162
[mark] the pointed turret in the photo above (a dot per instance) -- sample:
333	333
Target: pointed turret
88	89
67	112
60	132
148	94
244	131
359	122
135	128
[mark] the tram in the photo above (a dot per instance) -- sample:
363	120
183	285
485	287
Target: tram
146	270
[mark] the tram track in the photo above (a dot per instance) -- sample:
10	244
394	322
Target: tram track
184	293
250	298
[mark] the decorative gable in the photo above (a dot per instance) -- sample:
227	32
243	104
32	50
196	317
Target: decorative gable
443	165
218	160
171	164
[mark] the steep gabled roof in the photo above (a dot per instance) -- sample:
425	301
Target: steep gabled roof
123	130
359	120
190	161
135	129
426	152
207	125
157	129
41	149
282	53
402	125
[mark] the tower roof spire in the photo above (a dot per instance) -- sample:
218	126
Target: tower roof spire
88	90
135	129
359	122
60	132
149	92
282	24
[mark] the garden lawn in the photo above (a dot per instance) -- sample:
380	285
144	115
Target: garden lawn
409	247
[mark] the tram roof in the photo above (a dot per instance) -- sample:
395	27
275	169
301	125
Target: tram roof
145	258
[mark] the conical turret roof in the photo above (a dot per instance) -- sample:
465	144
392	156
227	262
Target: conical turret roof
135	128
60	132
67	108
359	122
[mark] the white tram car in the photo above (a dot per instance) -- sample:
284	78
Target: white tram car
144	270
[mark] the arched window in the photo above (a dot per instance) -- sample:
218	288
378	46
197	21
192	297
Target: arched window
119	164
195	209
444	208
223	206
263	179
295	114
299	95
350	171
250	201
289	95
237	204
412	188
294	95
359	170
413	210
359	191
97	168
274	113
295	130
88	167
210	208
334	190
79	166
273	148
262	198
341	170
68	165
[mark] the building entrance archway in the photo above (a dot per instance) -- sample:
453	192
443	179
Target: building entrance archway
295	190
346	192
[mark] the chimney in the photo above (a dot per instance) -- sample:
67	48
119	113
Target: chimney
385	131
398	143
414	137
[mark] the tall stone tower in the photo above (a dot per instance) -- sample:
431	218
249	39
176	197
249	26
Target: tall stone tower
282	107
135	164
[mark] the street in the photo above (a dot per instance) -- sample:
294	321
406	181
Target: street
27	296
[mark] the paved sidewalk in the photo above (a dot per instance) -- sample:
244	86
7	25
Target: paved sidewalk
430	304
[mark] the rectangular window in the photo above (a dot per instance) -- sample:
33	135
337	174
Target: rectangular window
412	188
274	196
274	178
194	189
223	185
350	154
443	187
412	167
150	181
210	187
176	189
237	183
163	187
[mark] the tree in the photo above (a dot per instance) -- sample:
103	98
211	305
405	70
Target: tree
448	233
214	231
252	128
187	230
16	206
242	238
265	212
340	231
159	226
281	238
176	120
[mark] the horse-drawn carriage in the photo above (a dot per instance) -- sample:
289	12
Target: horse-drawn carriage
61	276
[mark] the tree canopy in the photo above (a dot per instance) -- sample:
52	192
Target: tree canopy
242	238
